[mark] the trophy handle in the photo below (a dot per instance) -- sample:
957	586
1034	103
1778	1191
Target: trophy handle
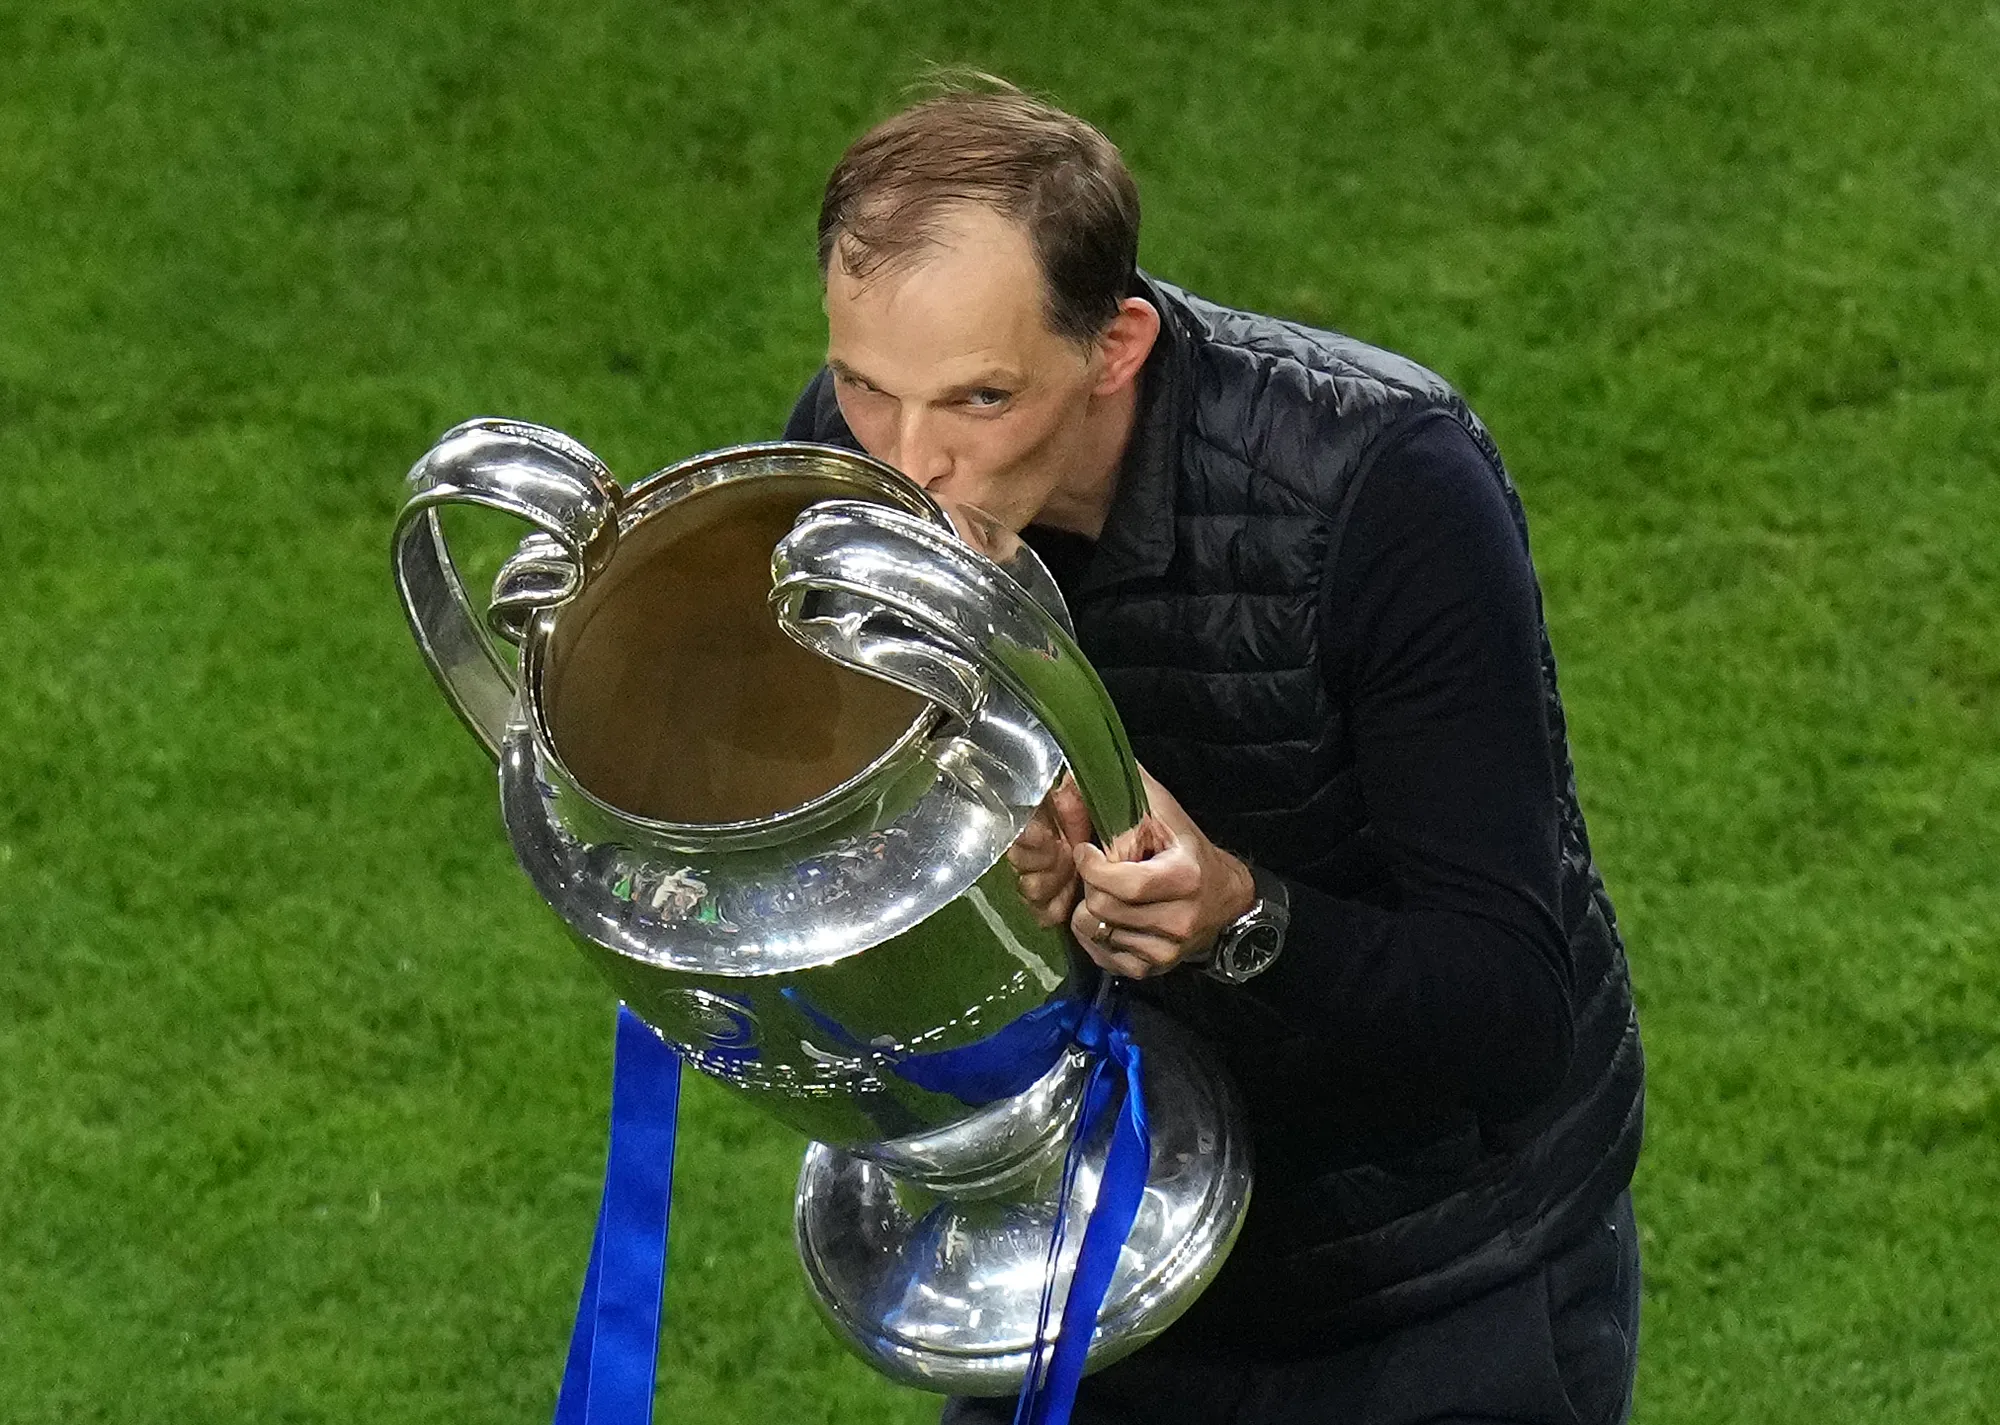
899	598
538	475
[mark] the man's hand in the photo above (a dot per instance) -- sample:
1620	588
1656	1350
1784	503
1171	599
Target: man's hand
1043	854
1159	895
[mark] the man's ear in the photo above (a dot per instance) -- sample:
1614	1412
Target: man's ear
1125	344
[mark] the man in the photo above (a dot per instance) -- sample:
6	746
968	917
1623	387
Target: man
1303	575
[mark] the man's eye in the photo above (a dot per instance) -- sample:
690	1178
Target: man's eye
986	396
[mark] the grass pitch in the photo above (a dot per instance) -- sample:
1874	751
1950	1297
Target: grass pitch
304	1091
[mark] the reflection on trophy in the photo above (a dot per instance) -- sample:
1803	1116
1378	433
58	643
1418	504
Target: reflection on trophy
769	732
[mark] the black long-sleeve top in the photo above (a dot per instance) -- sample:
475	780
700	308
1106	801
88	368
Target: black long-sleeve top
1452	991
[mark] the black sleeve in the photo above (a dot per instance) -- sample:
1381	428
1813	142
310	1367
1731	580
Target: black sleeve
1457	988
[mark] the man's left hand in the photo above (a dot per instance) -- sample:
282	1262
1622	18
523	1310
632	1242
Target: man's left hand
1160	893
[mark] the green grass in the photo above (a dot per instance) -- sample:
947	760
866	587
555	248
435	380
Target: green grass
303	1089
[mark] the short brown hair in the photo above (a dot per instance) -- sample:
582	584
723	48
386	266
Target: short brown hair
997	147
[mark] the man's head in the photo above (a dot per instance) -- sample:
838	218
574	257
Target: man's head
979	254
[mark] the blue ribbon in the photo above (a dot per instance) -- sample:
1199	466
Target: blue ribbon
615	1345
999	1066
1049	1392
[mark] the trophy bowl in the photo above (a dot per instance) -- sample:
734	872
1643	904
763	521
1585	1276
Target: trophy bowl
766	726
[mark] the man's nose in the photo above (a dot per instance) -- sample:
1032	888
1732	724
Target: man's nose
921	452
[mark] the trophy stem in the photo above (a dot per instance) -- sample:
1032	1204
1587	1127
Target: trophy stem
942	1290
1004	1148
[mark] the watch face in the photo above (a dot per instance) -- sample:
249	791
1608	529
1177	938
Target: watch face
1258	947
1250	951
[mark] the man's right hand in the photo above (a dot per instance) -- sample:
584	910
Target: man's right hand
1044	856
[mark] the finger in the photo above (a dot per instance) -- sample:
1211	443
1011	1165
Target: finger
1053	912
1031	859
1041	829
1152	950
1171	875
1037	834
1121	937
1123	966
1097	936
1172	921
1128	964
1040	840
1148	838
1044	885
1071	816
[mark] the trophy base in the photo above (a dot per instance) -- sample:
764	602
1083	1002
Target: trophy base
944	1294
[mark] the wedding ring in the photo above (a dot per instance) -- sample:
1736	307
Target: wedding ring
1103	936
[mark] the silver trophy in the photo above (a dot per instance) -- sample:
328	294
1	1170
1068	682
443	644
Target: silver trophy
766	727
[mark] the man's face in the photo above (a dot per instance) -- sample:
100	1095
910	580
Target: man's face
946	368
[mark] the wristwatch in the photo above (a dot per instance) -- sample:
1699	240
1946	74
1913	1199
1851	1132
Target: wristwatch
1248	944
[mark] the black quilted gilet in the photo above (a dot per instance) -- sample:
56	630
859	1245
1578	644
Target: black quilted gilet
1207	627
1204	607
